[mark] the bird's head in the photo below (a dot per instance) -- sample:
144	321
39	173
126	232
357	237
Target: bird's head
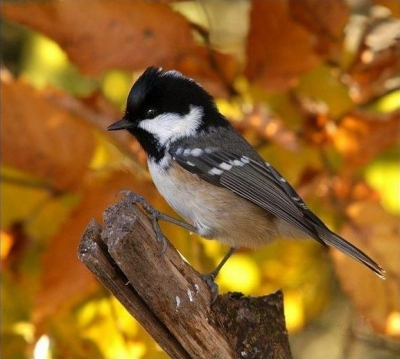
163	107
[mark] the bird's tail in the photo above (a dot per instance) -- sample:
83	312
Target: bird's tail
334	240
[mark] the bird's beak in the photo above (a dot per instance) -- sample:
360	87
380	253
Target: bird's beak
122	124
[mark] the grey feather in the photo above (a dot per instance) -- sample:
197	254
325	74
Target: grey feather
261	184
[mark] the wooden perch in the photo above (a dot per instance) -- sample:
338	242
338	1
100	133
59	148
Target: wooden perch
169	298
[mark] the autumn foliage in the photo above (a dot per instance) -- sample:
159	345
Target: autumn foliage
314	85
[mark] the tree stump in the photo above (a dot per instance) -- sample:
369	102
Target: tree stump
169	298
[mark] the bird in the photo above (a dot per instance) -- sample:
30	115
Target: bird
211	175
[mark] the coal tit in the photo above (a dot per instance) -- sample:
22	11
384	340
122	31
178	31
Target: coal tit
211	175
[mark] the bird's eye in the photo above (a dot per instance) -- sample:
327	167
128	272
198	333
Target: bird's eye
151	113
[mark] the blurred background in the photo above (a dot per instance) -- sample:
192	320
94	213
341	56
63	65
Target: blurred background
313	85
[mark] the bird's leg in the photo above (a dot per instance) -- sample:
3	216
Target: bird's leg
155	216
210	277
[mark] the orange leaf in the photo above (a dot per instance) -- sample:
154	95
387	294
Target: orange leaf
325	20
103	35
41	138
278	49
361	136
377	233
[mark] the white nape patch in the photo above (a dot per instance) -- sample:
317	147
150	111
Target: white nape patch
169	127
177	74
173	73
215	171
225	166
282	180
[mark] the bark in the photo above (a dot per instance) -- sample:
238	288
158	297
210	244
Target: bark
169	298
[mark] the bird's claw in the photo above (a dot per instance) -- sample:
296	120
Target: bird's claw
209	279
152	213
159	235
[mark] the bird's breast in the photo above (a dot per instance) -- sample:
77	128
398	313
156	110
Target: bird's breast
216	211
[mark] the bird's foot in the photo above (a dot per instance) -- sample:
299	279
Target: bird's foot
209	279
152	213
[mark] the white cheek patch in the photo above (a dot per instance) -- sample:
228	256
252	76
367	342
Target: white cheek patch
169	127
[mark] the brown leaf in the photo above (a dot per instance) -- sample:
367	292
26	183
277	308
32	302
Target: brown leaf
103	35
325	20
278	49
361	136
377	233
65	280
41	138
215	71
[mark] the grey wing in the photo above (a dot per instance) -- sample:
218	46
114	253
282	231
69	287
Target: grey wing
262	184
255	181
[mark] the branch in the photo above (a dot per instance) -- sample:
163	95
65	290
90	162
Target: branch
169	298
